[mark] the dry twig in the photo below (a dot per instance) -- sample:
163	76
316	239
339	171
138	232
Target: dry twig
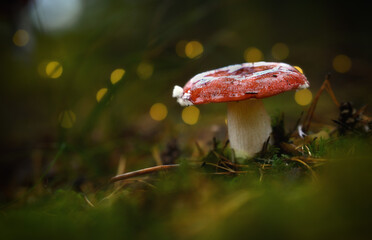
143	172
310	113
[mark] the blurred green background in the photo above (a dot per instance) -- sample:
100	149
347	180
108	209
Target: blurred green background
86	91
60	91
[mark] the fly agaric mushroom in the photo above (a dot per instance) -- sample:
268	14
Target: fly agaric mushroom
242	86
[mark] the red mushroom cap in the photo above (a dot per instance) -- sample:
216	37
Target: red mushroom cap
240	82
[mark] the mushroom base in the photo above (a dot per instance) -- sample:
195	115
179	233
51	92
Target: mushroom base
249	126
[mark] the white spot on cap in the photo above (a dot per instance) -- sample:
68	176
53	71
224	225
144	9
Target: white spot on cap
182	98
184	102
304	86
177	92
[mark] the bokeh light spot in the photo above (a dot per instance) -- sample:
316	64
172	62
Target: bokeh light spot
117	75
193	49
158	111
342	63
280	51
299	69
303	97
53	69
67	119
253	54
55	15
100	94
145	70
180	48
190	115
21	38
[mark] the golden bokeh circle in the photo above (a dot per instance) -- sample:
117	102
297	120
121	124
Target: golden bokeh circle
100	94
193	49
341	63
303	97
117	75
21	38
53	69
280	51
158	111
190	115
253	54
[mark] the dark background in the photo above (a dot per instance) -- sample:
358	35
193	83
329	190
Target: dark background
122	34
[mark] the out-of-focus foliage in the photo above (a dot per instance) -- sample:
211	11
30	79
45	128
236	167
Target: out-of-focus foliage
86	93
185	204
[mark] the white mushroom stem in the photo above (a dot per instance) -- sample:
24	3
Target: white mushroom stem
249	126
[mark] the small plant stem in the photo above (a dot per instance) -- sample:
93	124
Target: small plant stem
227	173
217	166
325	86
307	166
200	150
